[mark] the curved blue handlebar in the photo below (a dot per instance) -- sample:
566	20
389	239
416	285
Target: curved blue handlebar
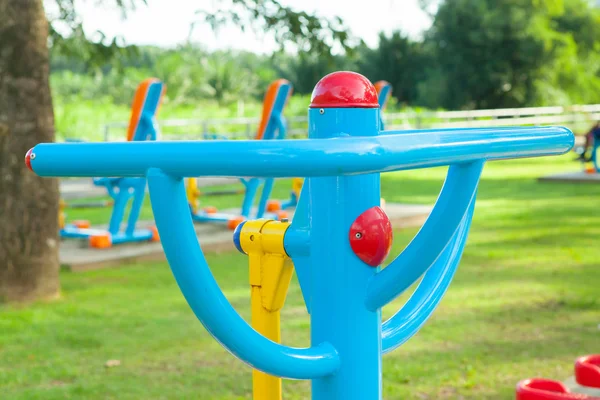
453	203
406	323
305	158
206	299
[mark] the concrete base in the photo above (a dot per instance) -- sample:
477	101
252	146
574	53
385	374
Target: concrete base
575	388
75	255
572	177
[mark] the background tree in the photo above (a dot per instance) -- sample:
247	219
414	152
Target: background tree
399	60
305	69
227	81
508	53
29	205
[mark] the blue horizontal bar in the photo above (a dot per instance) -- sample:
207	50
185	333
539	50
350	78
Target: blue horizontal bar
305	158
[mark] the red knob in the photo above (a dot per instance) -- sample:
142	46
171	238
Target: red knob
371	236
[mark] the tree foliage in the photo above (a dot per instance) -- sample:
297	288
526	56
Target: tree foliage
398	60
301	30
304	31
477	54
509	53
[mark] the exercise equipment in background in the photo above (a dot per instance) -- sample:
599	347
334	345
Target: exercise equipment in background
272	127
384	93
587	375
588	153
143	126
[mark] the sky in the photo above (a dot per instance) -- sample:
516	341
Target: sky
166	22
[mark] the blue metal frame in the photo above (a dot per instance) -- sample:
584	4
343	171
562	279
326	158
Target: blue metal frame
596	146
383	98
276	129
342	161
122	190
291	202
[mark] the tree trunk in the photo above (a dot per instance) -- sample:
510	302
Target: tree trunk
28	204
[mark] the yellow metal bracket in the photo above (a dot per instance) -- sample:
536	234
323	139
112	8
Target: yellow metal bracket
270	274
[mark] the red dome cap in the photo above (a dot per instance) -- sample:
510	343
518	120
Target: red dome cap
344	89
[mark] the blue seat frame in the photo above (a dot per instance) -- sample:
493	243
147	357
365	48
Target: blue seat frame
128	190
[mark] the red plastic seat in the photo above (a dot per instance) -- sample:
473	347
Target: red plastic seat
587	371
545	389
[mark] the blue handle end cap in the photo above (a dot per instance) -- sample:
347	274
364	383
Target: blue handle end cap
236	237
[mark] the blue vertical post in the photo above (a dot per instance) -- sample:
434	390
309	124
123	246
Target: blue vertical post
339	278
118	212
595	148
384	92
139	192
264	197
251	188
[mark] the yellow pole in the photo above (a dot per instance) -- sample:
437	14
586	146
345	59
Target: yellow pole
61	214
193	193
270	275
264	386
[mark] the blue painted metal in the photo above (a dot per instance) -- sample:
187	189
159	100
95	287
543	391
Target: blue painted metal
291	202
383	95
208	302
383	98
596	146
338	277
457	195
147	128
276	127
408	320
297	243
236	237
252	187
393	151
342	160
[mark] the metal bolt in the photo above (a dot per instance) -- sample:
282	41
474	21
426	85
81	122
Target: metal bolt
252	238
358	235
32	156
321	111
285	220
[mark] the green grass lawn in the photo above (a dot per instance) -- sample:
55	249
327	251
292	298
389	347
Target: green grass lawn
524	303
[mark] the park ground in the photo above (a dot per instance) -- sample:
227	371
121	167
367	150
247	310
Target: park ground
524	303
